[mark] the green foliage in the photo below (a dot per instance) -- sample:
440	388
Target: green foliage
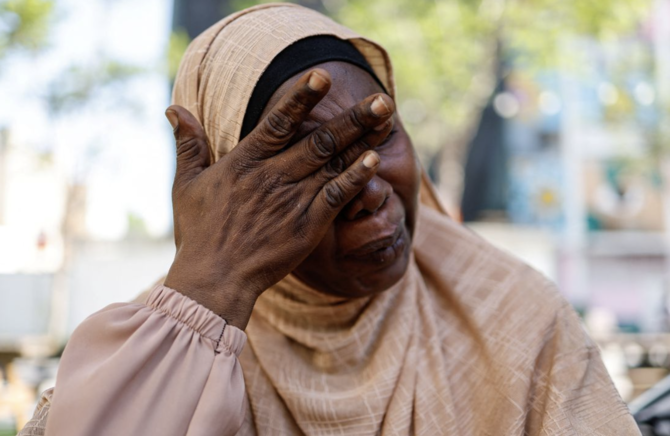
78	85
24	24
27	25
179	41
137	228
445	51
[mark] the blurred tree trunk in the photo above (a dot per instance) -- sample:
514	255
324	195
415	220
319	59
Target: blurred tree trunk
195	16
73	230
461	171
3	173
484	158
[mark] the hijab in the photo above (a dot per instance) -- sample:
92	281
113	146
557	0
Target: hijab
469	342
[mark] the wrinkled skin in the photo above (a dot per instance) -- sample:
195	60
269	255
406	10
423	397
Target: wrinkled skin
301	193
383	210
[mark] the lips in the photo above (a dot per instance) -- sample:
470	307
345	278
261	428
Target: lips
377	239
377	245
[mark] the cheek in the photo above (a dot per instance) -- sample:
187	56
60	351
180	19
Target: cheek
401	168
320	263
327	247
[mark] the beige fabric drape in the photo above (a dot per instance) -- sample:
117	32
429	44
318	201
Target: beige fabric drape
469	342
220	69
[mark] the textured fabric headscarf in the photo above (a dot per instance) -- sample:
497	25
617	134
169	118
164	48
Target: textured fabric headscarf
469	342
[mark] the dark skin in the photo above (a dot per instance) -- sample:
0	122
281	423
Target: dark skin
325	187
382	215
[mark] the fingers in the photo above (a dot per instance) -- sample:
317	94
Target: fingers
320	146
341	190
349	155
193	153
275	131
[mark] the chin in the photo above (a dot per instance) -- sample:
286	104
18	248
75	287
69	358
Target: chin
380	281
366	280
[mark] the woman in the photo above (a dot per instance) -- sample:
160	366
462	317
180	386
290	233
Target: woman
301	211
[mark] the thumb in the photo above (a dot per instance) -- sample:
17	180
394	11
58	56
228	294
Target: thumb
193	153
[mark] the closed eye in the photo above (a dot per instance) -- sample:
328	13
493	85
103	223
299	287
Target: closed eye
388	138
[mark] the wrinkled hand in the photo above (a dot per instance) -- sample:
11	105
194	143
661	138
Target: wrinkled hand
246	221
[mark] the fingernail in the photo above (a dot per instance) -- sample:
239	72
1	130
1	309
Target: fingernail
383	126
371	160
379	107
316	82
173	119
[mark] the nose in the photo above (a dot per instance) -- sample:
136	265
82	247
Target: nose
369	200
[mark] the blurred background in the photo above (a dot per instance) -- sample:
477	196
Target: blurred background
544	124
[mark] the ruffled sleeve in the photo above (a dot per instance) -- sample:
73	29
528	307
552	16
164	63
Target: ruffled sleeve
166	367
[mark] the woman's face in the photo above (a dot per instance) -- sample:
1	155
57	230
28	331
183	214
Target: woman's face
367	248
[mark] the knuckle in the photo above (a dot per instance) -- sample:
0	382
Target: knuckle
301	100
334	194
241	165
356	179
357	118
350	154
279	125
335	166
188	150
271	181
323	143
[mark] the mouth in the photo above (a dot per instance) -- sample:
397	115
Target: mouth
382	250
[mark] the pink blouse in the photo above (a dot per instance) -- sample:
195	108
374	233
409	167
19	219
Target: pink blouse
167	367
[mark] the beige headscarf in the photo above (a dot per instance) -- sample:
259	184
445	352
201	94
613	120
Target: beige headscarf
469	342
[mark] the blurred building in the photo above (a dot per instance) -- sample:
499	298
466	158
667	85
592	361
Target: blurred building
576	183
32	198
565	172
579	156
84	204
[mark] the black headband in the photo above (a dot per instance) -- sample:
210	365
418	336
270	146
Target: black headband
295	58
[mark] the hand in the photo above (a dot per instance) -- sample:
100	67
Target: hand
246	221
